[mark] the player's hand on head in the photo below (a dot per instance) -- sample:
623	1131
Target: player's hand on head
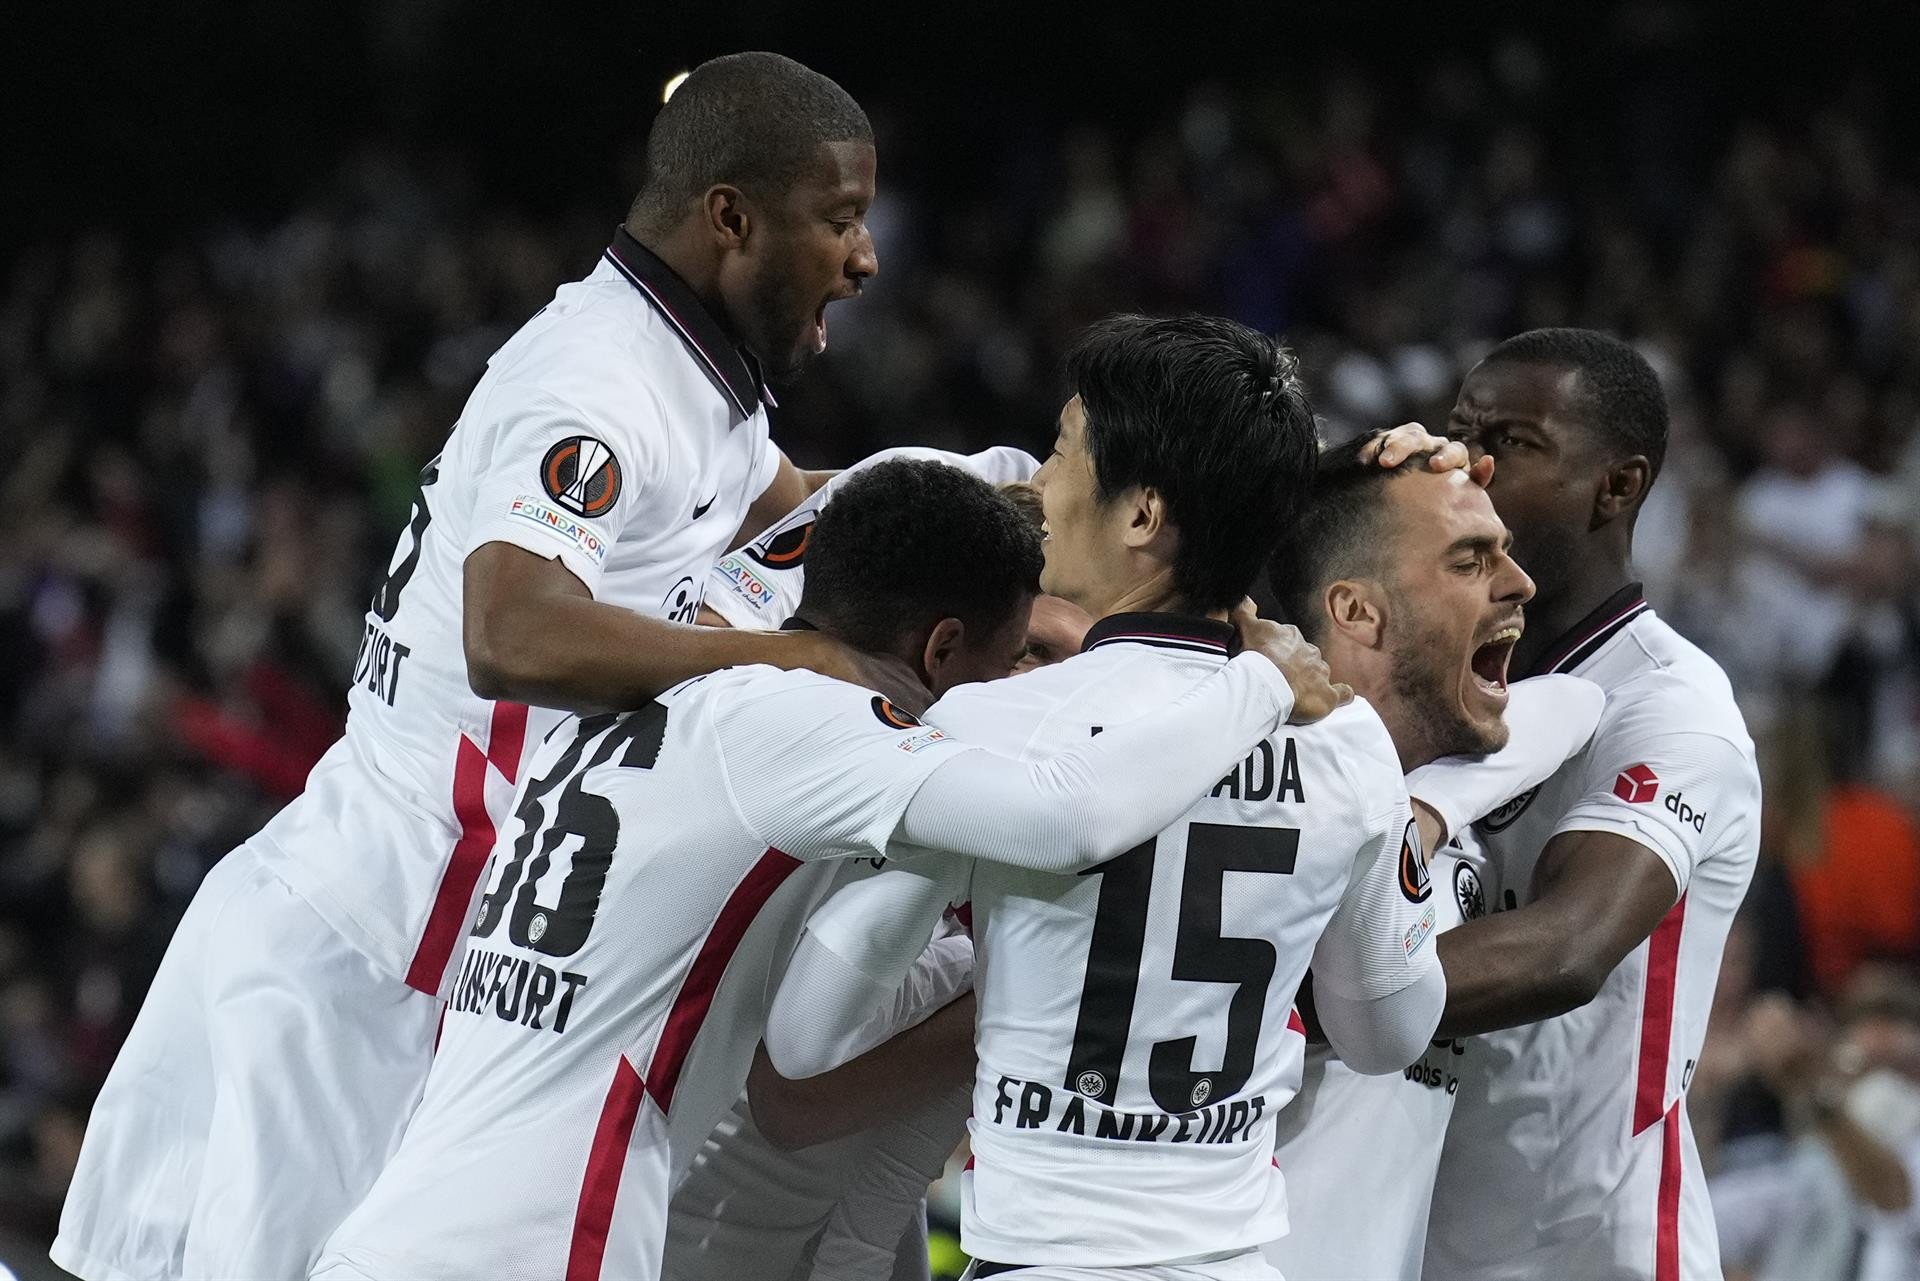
1315	693
1391	448
893	677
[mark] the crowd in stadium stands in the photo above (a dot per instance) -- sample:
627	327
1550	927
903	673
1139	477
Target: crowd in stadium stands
209	441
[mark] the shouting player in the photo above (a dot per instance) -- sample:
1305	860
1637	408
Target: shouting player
658	865
1133	1032
1569	1153
1403	579
615	447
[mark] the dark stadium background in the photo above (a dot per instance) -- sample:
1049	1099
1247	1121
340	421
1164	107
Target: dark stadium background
253	256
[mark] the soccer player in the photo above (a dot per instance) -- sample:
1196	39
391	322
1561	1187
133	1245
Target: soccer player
1402	578
1569	1152
659	863
814	1178
1132	1034
615	447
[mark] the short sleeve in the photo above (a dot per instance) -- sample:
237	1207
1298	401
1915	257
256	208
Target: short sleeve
1679	793
818	768
759	584
562	483
1378	941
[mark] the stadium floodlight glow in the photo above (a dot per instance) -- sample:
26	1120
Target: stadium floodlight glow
673	82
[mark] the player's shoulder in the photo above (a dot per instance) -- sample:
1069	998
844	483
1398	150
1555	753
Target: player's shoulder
1004	714
802	704
593	350
1662	683
1353	748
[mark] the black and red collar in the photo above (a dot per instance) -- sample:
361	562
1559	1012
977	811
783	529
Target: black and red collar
736	371
1585	638
1165	631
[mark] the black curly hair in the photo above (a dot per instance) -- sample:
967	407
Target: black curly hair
906	543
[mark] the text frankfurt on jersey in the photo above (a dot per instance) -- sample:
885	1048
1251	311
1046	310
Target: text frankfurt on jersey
1029	1105
516	990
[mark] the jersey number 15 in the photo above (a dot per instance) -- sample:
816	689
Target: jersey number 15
1200	955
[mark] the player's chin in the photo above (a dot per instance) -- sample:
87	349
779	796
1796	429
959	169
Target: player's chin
795	363
1483	708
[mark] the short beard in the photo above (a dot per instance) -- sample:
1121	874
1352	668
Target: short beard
772	296
1424	682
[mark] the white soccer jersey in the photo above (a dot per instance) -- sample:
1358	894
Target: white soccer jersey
836	1209
1570	1153
1360	1152
759	585
1135	1031
619	433
636	918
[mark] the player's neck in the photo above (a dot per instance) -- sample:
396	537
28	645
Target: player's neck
691	262
1549	621
1154	595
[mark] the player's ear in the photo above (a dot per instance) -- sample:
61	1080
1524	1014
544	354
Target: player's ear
724	210
1146	515
1622	489
1355	612
942	647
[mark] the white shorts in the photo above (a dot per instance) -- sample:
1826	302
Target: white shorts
1249	1266
265	1083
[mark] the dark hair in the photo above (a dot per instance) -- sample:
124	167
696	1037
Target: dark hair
906	543
1619	397
1339	532
755	120
1214	417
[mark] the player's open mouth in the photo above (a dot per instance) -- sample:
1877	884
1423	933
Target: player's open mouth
1490	660
820	329
1046	531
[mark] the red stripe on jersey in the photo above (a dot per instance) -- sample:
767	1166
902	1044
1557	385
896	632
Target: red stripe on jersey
1666	1241
1295	1023
1656	1019
696	990
469	856
506	737
601	1186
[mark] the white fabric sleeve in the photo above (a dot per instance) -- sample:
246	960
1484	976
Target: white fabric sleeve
1377	941
1386	1033
560	482
939	974
826	1008
1549	718
818	768
858	947
759	585
1082	807
1682	794
908	1153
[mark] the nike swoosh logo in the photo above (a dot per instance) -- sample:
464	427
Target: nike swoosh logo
701	510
